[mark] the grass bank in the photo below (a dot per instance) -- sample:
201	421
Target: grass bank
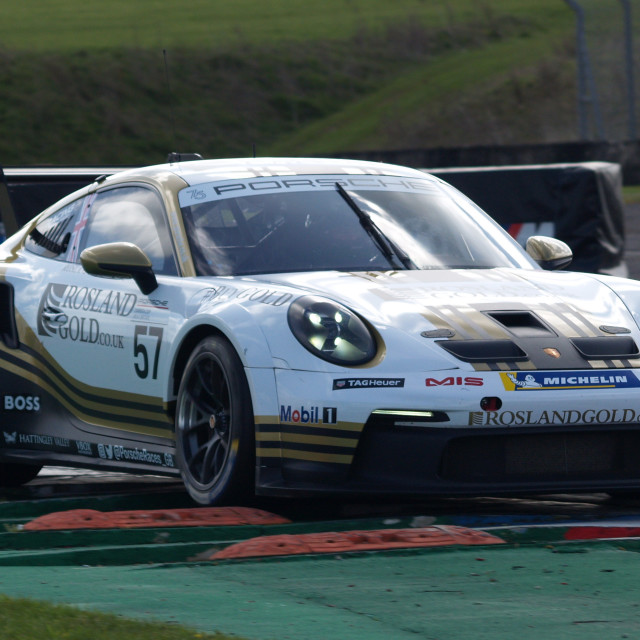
88	83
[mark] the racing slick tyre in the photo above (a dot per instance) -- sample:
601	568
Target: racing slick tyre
215	439
14	474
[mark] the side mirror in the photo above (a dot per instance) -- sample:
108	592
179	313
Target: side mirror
549	253
120	260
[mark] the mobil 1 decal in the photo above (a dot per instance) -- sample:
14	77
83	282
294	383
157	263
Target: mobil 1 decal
308	415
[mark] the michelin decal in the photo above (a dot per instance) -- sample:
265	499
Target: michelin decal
545	380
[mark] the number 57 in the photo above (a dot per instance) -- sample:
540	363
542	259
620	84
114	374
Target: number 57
140	350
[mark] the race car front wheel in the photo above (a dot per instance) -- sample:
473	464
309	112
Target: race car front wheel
215	440
16	474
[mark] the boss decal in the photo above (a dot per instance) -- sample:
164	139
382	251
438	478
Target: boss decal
21	403
455	381
367	383
569	416
536	380
310	415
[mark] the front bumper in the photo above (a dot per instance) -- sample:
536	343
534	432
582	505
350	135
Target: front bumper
544	440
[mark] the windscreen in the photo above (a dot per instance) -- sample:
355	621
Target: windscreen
345	223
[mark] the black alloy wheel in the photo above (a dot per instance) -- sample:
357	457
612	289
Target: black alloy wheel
215	439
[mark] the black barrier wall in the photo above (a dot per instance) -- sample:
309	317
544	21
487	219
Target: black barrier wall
580	204
626	154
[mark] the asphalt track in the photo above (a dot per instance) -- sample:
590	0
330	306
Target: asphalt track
541	582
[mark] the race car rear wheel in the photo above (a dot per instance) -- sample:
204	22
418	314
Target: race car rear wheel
214	425
14	474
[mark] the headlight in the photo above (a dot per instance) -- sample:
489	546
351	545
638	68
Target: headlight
331	331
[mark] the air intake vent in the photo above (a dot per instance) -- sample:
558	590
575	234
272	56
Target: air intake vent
483	350
607	347
522	324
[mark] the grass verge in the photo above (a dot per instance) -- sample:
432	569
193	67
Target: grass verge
23	619
631	194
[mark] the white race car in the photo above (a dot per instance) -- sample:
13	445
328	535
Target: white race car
301	325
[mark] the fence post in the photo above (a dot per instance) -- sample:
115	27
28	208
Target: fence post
628	50
586	84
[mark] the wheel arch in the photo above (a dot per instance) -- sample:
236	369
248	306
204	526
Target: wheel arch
188	344
240	328
246	342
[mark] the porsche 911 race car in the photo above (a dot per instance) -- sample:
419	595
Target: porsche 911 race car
301	325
